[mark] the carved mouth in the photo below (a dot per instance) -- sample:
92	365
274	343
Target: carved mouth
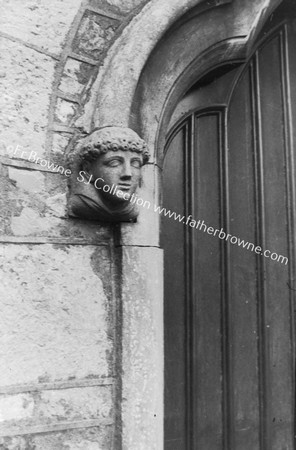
124	187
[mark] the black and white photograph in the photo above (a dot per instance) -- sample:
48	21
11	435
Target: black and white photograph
147	224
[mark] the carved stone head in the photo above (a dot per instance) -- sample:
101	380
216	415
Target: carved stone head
106	172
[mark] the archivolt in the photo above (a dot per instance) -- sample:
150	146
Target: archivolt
159	53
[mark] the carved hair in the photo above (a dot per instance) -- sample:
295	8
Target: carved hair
113	139
85	200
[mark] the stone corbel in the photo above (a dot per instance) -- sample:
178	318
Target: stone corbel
105	174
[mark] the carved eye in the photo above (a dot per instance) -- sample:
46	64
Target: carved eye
136	163
113	163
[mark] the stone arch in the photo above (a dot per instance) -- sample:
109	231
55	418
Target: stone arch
125	92
116	84
133	89
160	89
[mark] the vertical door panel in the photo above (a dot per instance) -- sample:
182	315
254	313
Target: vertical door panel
207	279
271	79
242	270
229	310
175	304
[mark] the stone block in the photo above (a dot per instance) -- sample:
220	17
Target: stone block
65	111
88	439
55	406
56	321
33	203
15	443
60	141
146	230
27	208
118	6
39	22
75	77
94	35
58	154
16	407
142	343
30	181
26	89
75	404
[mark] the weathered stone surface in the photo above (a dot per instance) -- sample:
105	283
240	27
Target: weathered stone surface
33	203
142	349
75	404
76	77
60	142
16	407
26	88
39	22
26	197
119	6
94	35
146	230
65	111
126	59
15	443
55	316
53	406
32	182
89	439
31	223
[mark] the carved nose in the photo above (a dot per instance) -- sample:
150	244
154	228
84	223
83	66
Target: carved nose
126	172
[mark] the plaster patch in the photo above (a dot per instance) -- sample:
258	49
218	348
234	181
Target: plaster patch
65	111
75	77
16	407
57	204
30	222
30	181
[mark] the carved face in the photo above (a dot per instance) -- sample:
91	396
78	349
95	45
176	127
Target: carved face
121	169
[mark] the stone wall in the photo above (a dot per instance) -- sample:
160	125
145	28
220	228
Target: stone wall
59	302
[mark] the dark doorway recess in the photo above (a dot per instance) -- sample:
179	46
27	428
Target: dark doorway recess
229	311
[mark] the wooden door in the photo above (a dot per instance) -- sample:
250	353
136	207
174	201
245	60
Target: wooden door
229	326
